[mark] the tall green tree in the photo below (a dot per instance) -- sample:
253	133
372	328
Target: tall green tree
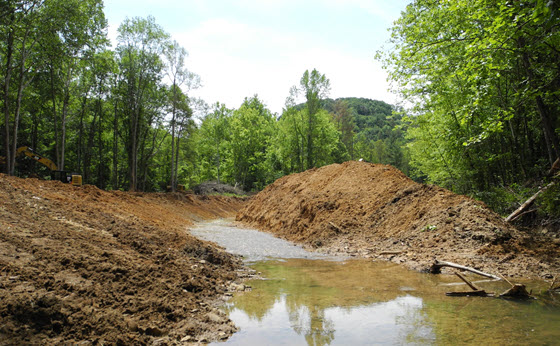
314	87
344	120
483	78
20	32
74	30
141	43
252	128
289	152
179	75
215	136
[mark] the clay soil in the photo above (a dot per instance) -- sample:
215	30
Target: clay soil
78	264
375	211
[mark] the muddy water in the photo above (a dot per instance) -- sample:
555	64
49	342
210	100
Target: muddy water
311	301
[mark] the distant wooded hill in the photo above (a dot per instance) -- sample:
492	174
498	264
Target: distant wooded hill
371	130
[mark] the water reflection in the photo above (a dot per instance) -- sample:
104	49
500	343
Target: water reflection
304	302
324	303
319	302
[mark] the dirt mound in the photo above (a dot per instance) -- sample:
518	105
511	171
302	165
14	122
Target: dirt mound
373	210
82	264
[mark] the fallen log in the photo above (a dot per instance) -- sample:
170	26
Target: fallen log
480	293
436	269
528	202
473	287
475	290
390	253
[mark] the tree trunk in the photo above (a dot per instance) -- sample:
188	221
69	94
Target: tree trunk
541	106
133	154
80	135
100	148
115	182
176	159
7	79
55	115
89	152
173	182
65	105
21	83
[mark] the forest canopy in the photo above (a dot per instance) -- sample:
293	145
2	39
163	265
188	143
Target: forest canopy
122	117
483	81
479	80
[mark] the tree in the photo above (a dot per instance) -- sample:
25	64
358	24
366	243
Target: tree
214	140
21	33
483	78
344	120
74	30
315	87
178	74
252	128
141	42
289	153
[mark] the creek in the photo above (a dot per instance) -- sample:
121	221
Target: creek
312	299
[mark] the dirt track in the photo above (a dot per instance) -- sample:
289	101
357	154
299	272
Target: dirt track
82	264
365	210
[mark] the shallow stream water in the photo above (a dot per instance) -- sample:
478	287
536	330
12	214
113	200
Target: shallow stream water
312	299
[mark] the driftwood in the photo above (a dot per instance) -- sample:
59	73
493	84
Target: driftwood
436	269
517	291
528	202
469	294
523	213
473	287
390	253
475	290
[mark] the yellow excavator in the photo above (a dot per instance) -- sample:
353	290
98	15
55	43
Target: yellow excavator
56	174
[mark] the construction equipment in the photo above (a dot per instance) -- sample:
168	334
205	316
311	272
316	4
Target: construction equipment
56	174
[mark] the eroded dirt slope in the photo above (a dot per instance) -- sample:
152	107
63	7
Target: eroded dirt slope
365	210
82	264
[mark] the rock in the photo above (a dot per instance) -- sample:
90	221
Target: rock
215	318
154	331
132	325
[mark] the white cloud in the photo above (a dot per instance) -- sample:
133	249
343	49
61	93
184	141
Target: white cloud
236	61
238	56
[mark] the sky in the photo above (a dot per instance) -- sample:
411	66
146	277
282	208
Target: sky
240	48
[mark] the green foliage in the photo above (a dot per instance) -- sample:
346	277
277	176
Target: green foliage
290	154
214	149
482	79
504	200
370	130
123	119
252	129
550	201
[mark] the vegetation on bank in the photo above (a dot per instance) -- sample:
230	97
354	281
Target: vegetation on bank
483	83
480	81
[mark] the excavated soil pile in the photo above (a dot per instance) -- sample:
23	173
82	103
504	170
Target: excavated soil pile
82	264
376	211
